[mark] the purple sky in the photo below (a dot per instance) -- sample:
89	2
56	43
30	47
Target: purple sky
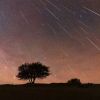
63	34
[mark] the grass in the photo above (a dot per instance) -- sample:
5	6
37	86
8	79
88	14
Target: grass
48	92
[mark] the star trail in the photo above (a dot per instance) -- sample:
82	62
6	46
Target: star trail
63	34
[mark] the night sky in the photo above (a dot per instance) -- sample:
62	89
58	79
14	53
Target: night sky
63	34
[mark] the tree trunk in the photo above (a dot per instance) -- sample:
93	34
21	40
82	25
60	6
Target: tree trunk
33	80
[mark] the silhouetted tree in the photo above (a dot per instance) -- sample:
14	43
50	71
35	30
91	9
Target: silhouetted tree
31	71
74	82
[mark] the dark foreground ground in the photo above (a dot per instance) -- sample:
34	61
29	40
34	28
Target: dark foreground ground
49	92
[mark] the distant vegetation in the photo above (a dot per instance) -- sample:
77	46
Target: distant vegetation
74	82
77	83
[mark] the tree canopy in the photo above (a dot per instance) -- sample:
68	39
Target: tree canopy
31	71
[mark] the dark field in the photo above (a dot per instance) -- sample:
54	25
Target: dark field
48	92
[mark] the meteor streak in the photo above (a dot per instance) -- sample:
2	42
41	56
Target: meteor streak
92	11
